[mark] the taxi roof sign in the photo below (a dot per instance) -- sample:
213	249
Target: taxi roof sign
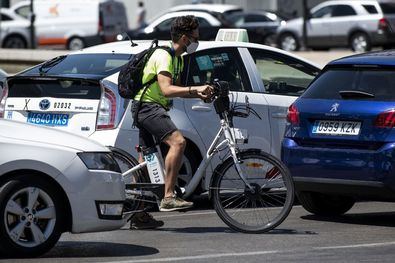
232	34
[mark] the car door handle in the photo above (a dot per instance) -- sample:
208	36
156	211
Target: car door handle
279	115
201	108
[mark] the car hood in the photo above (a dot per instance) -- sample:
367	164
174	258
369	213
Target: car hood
33	133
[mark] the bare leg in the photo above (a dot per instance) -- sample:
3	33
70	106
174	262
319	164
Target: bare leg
176	143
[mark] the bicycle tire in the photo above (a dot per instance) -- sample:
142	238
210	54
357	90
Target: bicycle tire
126	162
273	197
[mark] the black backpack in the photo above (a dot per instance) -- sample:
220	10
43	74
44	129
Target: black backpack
131	74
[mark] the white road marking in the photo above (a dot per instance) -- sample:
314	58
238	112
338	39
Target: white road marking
220	255
357	246
251	253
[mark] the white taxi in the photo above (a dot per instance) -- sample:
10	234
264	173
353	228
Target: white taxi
78	93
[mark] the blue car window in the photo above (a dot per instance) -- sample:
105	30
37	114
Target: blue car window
282	75
85	64
380	83
219	63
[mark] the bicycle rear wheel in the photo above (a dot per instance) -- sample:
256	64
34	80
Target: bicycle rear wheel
260	209
126	162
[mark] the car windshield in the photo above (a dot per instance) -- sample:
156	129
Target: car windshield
82	64
361	84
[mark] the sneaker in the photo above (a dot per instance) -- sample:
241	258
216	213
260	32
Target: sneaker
174	203
143	220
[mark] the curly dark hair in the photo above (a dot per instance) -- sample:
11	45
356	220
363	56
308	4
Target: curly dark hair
183	25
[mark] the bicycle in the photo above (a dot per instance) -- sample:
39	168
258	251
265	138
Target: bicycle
252	191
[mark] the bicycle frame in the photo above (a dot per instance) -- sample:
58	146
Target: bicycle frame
229	141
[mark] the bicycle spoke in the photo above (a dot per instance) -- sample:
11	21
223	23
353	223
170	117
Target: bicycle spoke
264	204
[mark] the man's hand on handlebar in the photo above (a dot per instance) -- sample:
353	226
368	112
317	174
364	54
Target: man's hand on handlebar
204	92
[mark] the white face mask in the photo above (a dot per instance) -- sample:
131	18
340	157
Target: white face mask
192	47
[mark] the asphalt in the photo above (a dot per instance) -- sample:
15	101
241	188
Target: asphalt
365	234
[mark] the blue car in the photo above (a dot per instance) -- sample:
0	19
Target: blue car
340	138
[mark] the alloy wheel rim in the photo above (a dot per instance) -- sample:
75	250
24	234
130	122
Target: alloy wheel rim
30	217
360	44
289	43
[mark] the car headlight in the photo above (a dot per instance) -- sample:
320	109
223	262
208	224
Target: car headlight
99	161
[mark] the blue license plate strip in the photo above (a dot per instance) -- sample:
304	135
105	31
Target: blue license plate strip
48	119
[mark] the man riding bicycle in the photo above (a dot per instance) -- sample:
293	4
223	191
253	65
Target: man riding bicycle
152	117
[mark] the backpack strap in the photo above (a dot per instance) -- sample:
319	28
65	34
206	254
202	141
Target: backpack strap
151	81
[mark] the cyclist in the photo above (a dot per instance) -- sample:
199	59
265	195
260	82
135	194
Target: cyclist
152	117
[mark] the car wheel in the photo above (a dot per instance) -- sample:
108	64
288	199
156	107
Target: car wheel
15	42
270	40
325	204
32	218
75	43
289	42
360	42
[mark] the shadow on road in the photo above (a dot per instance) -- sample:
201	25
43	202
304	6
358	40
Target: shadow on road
204	230
370	219
70	249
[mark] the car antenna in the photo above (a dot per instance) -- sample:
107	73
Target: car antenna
133	44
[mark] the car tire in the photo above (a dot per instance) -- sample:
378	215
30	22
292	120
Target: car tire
289	42
75	43
29	229
270	40
325	204
15	41
360	42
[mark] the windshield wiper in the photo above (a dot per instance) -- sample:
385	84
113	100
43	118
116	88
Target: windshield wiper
354	94
50	63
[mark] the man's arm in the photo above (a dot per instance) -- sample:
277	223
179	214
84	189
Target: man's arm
171	91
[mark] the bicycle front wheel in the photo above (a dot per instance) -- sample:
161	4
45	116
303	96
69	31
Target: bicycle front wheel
126	161
261	208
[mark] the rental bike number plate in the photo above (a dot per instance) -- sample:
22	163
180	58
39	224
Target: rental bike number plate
336	127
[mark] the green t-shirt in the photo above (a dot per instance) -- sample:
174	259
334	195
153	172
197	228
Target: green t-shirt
159	61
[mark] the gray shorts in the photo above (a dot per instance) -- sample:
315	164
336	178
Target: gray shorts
152	120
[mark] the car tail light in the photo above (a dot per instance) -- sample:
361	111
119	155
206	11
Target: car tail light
293	115
385	119
3	100
107	110
383	24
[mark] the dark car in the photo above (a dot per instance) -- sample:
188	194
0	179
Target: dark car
159	28
260	25
340	139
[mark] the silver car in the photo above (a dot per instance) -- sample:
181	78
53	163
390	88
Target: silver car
359	24
53	182
14	30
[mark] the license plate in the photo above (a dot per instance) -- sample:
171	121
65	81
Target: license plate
48	119
337	127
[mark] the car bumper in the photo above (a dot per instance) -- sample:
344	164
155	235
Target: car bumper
95	198
365	173
382	38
